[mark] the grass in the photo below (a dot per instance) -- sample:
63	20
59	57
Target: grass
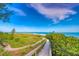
22	51
25	51
62	45
23	39
19	40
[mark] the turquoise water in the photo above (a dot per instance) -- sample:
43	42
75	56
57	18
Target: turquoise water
75	34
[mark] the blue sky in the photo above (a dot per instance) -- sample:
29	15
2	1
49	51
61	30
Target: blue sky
42	17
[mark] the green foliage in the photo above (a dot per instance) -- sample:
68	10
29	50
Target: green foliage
3	37
1	49
63	45
19	40
5	13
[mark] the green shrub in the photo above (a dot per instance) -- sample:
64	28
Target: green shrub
63	45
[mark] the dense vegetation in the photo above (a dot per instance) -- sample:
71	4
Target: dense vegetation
16	40
62	45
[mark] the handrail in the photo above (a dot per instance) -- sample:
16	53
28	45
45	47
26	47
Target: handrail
35	50
25	46
8	48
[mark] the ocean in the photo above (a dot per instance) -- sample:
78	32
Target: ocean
74	34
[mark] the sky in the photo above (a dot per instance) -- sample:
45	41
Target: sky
42	17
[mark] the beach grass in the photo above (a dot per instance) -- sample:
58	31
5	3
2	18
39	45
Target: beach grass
19	40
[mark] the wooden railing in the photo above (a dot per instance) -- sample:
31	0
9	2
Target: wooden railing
37	43
35	51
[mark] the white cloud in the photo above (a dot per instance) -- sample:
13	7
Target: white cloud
18	11
56	14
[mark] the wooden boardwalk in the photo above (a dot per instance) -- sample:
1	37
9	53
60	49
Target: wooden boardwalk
46	51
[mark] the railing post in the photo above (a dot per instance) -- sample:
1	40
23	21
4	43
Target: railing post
35	53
